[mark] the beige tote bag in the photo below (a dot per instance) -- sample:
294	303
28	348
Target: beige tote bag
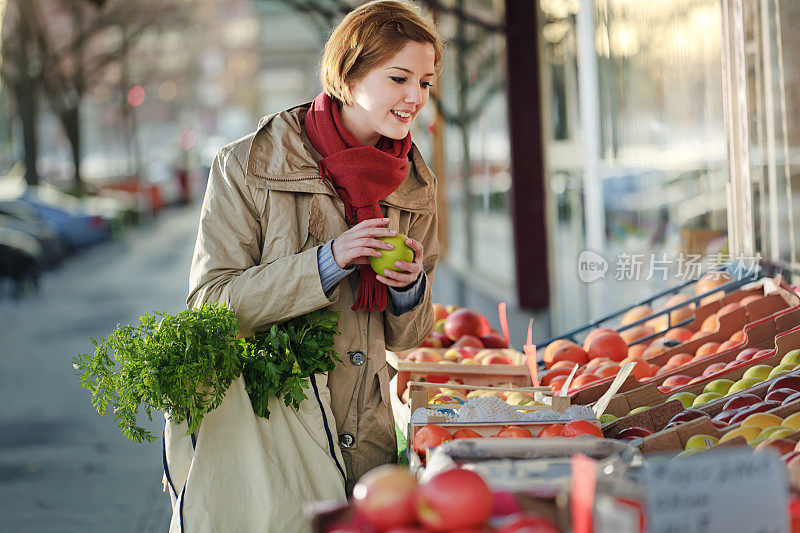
244	473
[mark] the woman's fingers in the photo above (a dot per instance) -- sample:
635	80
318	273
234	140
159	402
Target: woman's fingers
416	246
370	223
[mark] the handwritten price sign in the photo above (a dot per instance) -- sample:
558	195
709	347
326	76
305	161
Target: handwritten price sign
717	491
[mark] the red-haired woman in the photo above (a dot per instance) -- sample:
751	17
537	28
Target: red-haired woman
291	216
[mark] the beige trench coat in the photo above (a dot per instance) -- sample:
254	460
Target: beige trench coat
265	213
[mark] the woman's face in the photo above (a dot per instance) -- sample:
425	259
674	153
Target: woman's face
387	100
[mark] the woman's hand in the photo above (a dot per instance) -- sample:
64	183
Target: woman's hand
356	245
412	270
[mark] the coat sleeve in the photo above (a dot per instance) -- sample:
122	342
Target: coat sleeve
410	329
227	268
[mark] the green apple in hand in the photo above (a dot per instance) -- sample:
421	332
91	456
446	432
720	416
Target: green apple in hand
400	252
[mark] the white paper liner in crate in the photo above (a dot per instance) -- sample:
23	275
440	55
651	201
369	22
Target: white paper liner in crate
493	409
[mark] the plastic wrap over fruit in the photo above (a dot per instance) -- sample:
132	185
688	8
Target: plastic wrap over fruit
420	416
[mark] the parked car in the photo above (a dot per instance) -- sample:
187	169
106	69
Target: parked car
68	214
20	259
22	217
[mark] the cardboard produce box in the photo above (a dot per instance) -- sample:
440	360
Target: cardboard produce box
738	319
650	395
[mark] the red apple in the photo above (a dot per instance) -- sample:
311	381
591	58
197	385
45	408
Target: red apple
741	400
428	343
493	340
634	432
457	354
505	504
757	408
790	381
465	322
386	497
468	340
452	500
685	416
793	398
677	380
763	353
782	446
747	354
714	367
725	415
424	355
779	395
733	364
443	339
439	312
495	359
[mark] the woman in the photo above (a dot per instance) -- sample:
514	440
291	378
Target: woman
291	216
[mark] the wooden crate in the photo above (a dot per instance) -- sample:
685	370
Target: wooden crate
479	375
419	398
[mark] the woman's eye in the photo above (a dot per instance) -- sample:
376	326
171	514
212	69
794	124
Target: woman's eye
397	79
427	84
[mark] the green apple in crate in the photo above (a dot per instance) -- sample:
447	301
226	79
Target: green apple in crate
761	372
792	357
720	386
686	398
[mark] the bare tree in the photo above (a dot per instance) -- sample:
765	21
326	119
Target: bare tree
63	47
21	73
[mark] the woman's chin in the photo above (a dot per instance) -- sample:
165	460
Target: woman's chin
397	134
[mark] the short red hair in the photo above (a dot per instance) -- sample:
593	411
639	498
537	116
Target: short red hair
369	36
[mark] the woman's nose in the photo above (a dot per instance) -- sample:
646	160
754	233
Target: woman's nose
414	95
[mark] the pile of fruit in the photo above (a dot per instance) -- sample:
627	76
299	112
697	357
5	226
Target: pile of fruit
761	430
753	375
719	388
446	395
432	435
454	326
604	350
388	498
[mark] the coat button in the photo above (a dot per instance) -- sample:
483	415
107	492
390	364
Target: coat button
346	440
357	357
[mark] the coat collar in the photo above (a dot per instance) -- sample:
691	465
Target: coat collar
282	158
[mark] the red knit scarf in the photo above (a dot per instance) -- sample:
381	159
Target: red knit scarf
362	176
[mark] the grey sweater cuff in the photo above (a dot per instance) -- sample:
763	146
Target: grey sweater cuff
404	300
329	272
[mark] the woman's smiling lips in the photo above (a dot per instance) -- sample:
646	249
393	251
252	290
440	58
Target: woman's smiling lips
402	116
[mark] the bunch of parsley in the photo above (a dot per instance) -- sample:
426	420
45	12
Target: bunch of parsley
184	363
285	357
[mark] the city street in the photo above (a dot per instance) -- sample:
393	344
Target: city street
62	467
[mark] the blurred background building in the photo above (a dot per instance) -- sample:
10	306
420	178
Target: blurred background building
629	128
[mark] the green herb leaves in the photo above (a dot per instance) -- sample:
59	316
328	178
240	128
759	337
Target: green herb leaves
284	357
184	364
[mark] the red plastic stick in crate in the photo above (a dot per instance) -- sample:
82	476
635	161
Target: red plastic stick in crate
530	360
529	339
503	321
584	479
